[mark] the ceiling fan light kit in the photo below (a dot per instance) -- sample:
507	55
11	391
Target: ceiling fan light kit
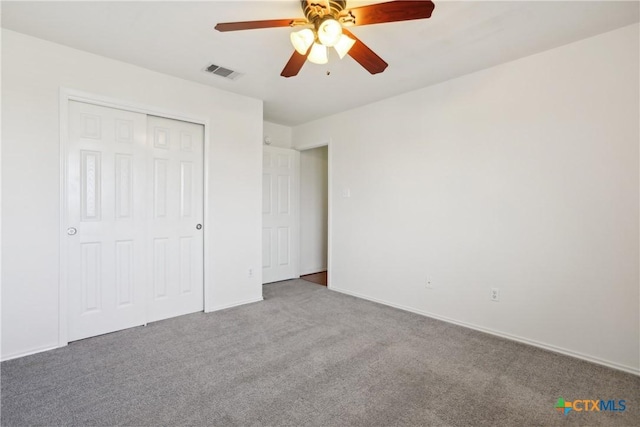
328	19
302	40
329	35
344	45
329	32
318	54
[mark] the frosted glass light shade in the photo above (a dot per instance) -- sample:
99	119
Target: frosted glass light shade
318	54
301	40
329	32
344	45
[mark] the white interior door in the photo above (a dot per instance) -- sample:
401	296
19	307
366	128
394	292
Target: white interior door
279	214
105	190
175	233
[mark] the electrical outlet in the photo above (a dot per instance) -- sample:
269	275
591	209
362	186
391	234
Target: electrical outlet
428	284
250	272
495	294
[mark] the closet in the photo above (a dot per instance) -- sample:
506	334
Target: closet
134	219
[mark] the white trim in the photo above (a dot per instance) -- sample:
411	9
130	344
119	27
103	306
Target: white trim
329	213
104	101
63	336
66	95
236	304
207	273
312	145
28	353
296	203
534	343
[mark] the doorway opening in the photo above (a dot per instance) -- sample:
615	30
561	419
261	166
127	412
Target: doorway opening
314	208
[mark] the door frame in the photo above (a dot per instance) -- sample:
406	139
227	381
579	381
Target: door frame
325	143
67	95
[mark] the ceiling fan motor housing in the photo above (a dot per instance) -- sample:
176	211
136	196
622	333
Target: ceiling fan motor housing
317	11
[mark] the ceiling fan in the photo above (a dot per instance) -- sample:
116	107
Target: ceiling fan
325	26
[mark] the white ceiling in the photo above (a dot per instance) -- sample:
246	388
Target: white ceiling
178	38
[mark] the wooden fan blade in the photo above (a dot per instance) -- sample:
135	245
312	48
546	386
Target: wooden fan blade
392	11
254	25
365	56
295	64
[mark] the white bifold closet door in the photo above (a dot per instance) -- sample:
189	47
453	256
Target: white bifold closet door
134	199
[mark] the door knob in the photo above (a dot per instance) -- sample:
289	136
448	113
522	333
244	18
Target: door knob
199	227
72	231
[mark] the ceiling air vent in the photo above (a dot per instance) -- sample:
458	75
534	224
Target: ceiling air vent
222	72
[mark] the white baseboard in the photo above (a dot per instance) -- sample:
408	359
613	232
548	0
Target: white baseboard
235	304
28	353
553	348
215	308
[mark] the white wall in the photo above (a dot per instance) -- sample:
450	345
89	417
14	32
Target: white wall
522	177
279	135
313	210
33	71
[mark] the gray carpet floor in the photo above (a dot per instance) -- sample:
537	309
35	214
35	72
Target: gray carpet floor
306	356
